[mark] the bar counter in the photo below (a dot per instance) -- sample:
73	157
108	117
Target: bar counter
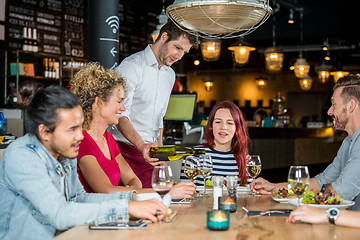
190	223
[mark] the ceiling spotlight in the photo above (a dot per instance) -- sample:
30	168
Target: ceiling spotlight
197	62
291	17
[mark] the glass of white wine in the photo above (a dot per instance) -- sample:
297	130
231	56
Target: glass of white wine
206	167
253	167
298	180
192	168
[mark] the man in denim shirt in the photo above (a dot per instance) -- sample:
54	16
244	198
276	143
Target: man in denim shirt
39	188
342	175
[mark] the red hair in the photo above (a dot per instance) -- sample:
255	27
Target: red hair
239	144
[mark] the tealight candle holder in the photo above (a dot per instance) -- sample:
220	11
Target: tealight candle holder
228	203
218	220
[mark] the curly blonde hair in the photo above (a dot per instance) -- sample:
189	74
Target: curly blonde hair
94	81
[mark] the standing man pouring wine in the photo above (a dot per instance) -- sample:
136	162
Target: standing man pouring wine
150	79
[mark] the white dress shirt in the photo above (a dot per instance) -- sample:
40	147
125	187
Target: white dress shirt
148	93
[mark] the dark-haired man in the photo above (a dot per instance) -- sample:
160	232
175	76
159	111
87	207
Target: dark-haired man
342	175
39	187
150	79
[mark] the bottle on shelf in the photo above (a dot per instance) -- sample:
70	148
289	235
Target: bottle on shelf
53	70
173	152
30	42
46	67
35	43
25	45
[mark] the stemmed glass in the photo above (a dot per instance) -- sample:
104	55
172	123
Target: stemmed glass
192	168
253	167
298	180
206	167
162	179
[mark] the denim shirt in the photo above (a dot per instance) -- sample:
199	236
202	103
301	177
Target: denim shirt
32	203
343	172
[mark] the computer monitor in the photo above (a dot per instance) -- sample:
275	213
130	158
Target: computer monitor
181	107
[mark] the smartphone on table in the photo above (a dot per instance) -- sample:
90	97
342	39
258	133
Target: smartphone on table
117	225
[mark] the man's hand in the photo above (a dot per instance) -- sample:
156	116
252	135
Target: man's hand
308	214
262	186
145	151
153	210
183	190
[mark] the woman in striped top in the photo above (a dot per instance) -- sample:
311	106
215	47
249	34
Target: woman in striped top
226	142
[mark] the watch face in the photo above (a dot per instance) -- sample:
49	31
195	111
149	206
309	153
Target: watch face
333	212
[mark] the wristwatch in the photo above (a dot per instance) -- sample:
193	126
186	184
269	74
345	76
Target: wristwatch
333	214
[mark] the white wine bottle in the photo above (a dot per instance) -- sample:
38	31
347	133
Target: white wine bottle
173	152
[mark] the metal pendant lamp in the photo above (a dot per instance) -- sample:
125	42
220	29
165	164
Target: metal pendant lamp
162	21
241	51
323	72
210	49
219	18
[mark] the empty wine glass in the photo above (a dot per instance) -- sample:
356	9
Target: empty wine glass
162	179
253	167
206	167
298	180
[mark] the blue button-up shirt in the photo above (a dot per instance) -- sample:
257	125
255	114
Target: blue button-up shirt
33	202
344	172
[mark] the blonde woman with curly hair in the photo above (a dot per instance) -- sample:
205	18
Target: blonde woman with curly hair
101	167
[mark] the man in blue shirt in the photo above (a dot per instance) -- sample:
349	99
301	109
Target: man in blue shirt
39	188
342	175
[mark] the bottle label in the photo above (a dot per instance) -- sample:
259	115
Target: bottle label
161	156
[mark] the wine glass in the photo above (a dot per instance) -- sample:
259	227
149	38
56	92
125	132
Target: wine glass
162	179
192	168
253	167
298	180
206	167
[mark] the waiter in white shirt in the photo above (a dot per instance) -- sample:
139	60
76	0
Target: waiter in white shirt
149	79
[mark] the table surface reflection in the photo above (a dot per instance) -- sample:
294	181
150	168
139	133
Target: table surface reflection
190	223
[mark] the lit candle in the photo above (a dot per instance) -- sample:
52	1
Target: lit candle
218	220
229	205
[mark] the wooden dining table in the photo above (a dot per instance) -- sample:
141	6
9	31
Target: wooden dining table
190	222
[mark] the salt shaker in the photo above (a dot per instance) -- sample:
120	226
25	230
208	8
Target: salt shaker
217	190
231	182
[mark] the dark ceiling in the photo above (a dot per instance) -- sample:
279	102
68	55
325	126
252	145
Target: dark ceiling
323	19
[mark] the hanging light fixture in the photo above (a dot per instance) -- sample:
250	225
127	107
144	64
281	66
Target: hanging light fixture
323	72
338	74
291	16
210	49
219	18
301	67
261	82
305	83
273	55
208	83
162	21
241	51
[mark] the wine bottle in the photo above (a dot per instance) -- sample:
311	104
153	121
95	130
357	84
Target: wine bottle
173	152
46	68
35	43
25	45
30	42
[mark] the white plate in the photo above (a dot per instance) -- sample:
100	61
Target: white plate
282	200
239	189
343	204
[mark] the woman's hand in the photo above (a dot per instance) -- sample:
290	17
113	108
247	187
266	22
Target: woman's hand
153	209
262	186
183	190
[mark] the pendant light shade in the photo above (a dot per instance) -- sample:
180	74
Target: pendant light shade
241	52
338	74
219	18
301	68
323	72
305	83
162	21
208	83
261	82
210	49
274	58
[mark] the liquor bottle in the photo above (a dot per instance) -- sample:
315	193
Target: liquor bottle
173	152
25	45
53	70
35	43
